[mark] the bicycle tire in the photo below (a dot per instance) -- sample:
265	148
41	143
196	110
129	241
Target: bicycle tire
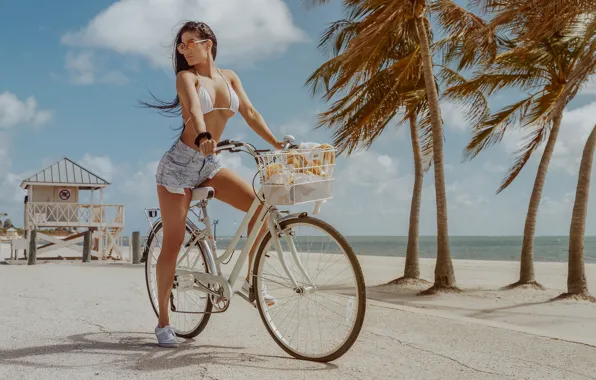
349	342
201	326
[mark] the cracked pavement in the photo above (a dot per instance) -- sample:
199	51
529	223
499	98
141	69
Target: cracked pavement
94	321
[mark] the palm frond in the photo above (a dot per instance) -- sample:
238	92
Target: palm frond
542	107
536	137
491	82
468	40
473	101
321	78
405	70
360	116
337	35
364	112
584	61
491	130
534	20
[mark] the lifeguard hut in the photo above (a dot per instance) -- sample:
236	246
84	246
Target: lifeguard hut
52	201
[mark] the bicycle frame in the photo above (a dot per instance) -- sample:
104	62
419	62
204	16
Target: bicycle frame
268	215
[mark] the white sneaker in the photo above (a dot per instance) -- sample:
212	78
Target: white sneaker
269	299
166	337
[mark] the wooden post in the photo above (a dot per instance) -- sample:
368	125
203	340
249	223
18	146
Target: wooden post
87	247
27	234
136	247
32	248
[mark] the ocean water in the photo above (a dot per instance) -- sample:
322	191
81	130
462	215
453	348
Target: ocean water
503	248
506	248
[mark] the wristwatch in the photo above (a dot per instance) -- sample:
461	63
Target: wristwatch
201	136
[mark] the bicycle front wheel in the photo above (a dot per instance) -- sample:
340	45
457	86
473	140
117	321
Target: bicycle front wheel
319	290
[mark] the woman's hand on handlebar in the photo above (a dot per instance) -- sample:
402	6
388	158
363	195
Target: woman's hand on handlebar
207	147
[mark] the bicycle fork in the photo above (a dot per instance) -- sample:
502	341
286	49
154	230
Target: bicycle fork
276	234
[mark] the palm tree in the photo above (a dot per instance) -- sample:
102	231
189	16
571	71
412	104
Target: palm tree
412	265
386	26
577	286
534	20
544	69
370	103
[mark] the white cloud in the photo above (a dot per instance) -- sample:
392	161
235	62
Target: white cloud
141	184
80	67
235	162
368	185
513	140
100	165
590	86
369	169
463	192
246	30
454	117
575	129
494	168
10	187
5	160
15	112
12	195
84	69
115	77
558	207
296	128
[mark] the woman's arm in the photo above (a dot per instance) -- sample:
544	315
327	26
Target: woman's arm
187	92
250	114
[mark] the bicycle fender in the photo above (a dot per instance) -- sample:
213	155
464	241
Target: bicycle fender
296	215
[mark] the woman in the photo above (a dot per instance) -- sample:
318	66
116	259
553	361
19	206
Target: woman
206	98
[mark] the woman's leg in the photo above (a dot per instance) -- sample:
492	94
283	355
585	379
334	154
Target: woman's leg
235	191
174	208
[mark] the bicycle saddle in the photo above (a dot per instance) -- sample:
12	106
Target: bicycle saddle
202	193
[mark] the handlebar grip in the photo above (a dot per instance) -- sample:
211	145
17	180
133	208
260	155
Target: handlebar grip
224	143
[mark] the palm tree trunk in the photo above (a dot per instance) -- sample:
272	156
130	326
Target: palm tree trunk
577	286
412	268
444	274
527	253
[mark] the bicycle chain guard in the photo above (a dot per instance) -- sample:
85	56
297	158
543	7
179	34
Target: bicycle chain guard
187	282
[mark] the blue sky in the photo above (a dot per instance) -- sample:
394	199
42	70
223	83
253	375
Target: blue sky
70	82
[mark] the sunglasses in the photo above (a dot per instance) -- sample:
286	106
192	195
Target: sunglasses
191	44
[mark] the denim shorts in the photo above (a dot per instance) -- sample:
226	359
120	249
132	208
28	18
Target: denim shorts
183	167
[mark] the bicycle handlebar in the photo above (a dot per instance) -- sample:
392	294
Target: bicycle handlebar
232	146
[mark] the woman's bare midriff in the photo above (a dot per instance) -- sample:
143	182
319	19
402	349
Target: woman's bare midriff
215	122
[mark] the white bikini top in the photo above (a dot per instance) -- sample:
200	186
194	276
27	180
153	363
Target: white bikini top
207	102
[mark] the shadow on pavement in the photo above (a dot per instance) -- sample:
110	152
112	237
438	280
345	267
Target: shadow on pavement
137	351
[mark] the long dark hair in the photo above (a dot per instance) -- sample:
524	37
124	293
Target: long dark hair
205	32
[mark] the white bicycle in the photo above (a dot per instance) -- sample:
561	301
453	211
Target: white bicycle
318	315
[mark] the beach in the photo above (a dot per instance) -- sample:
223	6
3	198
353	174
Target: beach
65	320
482	297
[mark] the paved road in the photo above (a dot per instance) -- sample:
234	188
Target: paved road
94	321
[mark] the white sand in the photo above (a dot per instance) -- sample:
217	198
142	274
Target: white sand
94	321
482	298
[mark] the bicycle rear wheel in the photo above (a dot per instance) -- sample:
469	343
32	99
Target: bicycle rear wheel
321	317
189	303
